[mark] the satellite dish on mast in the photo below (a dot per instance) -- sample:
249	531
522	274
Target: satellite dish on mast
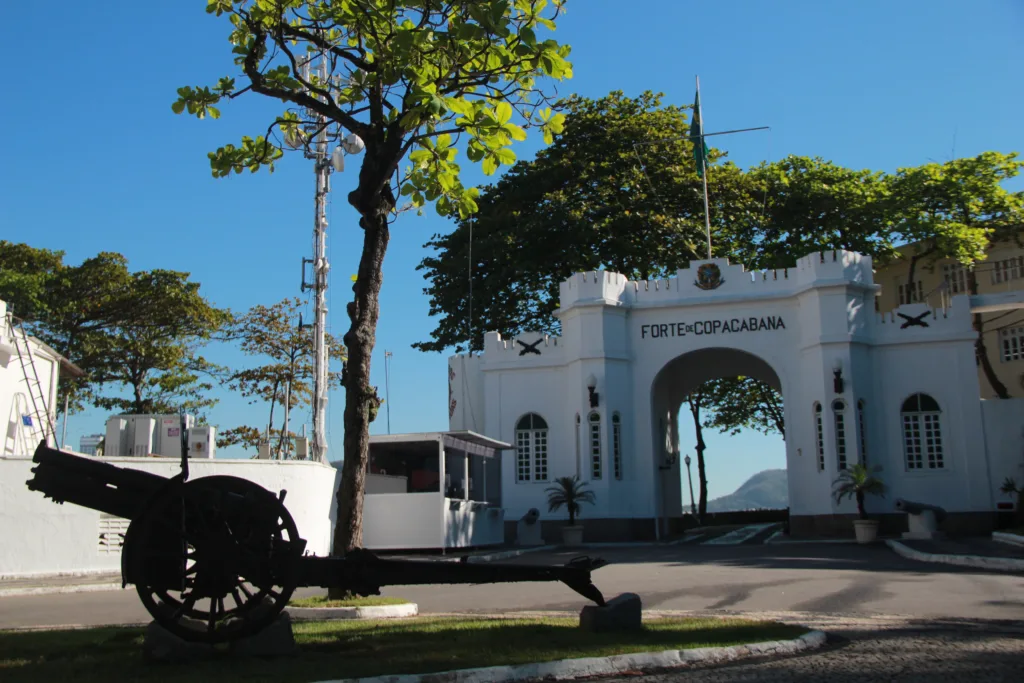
353	144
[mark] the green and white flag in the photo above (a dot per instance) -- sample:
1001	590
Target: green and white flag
700	148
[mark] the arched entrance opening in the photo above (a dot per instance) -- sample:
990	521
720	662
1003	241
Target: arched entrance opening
692	405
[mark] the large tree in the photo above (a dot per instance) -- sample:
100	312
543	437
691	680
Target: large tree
413	79
128	331
615	190
276	336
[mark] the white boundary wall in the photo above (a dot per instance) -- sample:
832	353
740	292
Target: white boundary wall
40	537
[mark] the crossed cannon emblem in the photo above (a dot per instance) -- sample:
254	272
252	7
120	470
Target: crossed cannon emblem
530	348
913	321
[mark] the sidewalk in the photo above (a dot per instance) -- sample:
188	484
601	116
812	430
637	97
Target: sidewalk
41	585
980	553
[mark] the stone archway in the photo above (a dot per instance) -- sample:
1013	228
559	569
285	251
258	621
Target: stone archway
676	379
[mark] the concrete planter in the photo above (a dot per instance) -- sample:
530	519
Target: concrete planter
572	535
866	530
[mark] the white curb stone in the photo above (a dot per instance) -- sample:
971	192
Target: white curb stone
1012	539
49	590
408	609
1004	564
567	669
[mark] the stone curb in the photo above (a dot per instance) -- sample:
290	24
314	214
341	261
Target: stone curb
1012	539
1003	564
408	609
49	590
566	669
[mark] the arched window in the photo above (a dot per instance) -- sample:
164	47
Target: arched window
595	445
922	433
617	445
862	433
838	414
531	448
820	436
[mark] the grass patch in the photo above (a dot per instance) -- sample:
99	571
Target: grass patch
352	649
368	601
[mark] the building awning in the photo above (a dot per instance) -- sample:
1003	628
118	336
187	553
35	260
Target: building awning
463	440
67	368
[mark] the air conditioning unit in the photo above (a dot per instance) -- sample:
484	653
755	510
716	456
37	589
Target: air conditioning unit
202	442
301	448
144	431
263	451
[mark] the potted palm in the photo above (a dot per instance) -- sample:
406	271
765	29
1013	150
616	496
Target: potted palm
570	492
859	482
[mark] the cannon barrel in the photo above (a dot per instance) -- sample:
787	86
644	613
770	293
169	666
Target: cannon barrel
96	485
912	508
364	573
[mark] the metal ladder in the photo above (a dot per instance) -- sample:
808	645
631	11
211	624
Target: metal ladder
26	358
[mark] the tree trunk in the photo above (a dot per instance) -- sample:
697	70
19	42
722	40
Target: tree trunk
980	351
860	505
702	505
273	402
359	395
911	291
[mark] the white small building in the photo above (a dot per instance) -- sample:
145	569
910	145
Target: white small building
90	443
602	401
29	372
439	490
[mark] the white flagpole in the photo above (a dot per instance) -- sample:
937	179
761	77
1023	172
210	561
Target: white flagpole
704	169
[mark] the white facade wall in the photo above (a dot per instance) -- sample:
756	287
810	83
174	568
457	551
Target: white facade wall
645	343
1004	437
40	537
17	438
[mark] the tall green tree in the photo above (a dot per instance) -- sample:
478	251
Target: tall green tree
615	190
275	335
954	210
414	80
740	403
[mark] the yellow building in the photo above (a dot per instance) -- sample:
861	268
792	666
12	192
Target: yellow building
935	281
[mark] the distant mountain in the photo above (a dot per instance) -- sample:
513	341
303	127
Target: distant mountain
765	490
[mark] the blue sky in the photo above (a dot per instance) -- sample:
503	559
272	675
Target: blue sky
95	160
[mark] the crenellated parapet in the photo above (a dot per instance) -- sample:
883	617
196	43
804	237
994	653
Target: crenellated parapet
919	321
716	278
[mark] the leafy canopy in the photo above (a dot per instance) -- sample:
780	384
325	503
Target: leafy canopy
407	76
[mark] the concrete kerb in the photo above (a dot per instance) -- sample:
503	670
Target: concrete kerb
567	669
68	588
1011	539
408	609
1004	564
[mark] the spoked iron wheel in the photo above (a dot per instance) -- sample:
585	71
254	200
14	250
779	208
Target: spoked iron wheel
214	559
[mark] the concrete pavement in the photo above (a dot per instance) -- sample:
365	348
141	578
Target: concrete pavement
820	579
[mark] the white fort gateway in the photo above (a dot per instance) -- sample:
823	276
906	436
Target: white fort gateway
602	401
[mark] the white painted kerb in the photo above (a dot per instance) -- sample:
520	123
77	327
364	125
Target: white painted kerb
408	609
1003	564
566	669
1003	537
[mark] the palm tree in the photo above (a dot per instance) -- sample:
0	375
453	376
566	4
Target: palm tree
858	482
569	491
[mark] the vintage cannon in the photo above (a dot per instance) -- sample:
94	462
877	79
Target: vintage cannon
217	558
922	519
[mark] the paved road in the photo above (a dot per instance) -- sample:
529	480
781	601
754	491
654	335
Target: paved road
820	579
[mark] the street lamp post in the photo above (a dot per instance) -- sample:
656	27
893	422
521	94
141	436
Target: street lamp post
693	506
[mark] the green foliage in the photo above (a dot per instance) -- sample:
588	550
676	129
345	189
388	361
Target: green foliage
272	334
569	492
405	77
857	481
954	209
739	403
136	331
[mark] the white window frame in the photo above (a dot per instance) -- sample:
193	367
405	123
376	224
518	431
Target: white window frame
617	445
955	275
839	422
862	432
1007	270
914	297
921	431
1011	344
531	449
819	436
594	431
